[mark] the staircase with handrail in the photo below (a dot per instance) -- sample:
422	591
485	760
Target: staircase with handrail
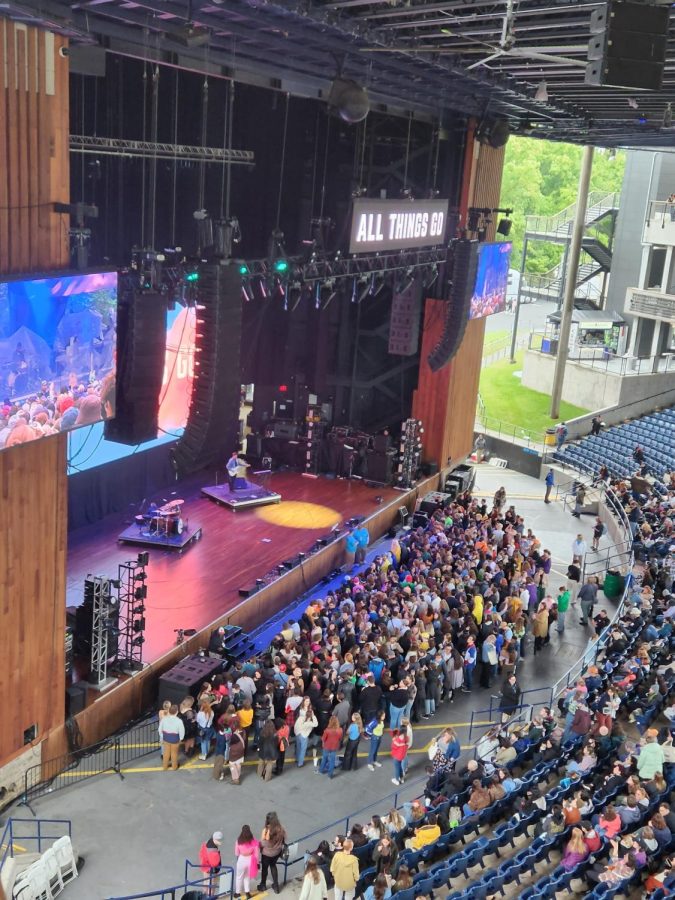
597	255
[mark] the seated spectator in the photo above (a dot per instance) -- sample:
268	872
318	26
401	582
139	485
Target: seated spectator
629	813
479	798
425	834
609	822
576	850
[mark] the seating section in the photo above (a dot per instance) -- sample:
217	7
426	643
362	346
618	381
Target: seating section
614	447
499	852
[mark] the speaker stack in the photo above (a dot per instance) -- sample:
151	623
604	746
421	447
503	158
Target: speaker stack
212	430
141	350
628	47
464	266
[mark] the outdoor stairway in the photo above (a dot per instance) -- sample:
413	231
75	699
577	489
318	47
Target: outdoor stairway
558	227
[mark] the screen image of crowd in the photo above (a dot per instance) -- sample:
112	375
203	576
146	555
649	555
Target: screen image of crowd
492	278
57	354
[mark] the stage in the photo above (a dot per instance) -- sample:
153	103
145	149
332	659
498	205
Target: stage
193	589
243	498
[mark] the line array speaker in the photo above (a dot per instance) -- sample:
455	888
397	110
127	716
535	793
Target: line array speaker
212	430
464	266
404	322
141	349
628	44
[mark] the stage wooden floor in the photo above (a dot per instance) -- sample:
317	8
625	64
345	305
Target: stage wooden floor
193	589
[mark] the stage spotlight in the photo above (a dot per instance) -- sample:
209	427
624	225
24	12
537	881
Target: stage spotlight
365	291
281	266
246	292
138	610
243	270
139	625
143	558
140	576
141	593
139	641
259	582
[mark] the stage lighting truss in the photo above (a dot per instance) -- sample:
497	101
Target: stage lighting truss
321	276
410	453
132	593
104	607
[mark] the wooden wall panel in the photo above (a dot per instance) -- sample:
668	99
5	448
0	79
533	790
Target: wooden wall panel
34	155
33	515
34	174
445	401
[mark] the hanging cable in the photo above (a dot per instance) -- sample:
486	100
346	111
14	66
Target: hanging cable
325	168
407	153
202	165
226	125
283	159
174	181
153	162
145	111
228	167
438	150
315	161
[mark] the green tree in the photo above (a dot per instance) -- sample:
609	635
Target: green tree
540	178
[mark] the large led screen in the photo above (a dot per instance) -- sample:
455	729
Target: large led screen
57	354
492	280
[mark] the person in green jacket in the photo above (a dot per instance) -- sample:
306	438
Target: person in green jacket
563	601
651	759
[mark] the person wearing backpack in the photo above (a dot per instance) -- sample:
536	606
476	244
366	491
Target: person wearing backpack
373	734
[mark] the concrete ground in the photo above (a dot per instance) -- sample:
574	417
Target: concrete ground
136	833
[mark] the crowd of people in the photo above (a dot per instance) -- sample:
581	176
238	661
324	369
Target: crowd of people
451	607
465	596
50	411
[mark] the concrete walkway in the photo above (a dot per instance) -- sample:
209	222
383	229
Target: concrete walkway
135	834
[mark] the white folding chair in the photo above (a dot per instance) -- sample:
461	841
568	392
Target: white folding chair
63	849
50	859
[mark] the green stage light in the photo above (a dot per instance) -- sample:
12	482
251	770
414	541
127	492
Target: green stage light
243	269
192	277
281	266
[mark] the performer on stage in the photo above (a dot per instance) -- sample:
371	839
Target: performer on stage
234	469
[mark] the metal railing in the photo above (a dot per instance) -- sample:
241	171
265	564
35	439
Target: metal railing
343	824
508	431
598	202
33	832
604	360
107	756
206	886
618	556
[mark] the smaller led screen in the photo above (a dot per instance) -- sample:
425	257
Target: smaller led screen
57	354
492	280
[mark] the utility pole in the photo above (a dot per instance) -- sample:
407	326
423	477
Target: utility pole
571	280
516	317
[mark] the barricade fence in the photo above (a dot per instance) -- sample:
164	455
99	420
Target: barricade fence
105	756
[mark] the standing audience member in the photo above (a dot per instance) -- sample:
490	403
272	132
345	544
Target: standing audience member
246	851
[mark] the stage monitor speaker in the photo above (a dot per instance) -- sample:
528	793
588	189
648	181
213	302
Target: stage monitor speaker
404	321
464	266
628	44
76	698
141	351
212	430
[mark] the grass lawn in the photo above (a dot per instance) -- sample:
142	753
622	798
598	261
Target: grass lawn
496	341
506	399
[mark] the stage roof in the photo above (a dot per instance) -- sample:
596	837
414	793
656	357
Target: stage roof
411	54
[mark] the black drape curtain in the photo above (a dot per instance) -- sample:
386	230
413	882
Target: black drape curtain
118	486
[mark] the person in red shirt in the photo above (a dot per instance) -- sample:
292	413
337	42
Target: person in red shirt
399	751
209	858
331	741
